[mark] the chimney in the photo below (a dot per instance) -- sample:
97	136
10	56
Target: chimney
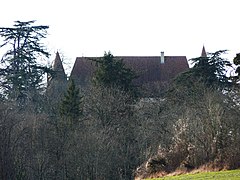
162	57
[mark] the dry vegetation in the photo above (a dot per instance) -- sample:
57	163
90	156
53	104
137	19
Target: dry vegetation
201	134
116	137
107	131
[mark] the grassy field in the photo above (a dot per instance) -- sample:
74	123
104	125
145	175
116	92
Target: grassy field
234	174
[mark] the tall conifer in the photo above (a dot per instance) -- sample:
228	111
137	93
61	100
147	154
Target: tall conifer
70	107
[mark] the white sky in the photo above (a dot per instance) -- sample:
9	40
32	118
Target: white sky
131	27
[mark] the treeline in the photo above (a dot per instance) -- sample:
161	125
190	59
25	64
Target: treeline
113	136
196	120
112	129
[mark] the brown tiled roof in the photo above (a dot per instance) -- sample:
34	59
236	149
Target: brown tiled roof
149	68
83	70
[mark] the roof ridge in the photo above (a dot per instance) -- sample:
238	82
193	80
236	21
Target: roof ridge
131	56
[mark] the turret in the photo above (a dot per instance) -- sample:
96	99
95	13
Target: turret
57	79
204	54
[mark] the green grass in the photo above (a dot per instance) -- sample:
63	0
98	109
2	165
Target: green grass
233	174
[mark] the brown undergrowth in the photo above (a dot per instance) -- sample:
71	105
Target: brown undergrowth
209	167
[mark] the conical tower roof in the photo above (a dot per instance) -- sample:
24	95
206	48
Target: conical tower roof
204	54
57	80
57	63
58	68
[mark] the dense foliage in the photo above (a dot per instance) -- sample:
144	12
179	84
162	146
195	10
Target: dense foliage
236	61
112	72
70	107
20	72
104	134
210	70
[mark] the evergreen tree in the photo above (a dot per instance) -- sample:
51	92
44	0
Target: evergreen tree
207	73
112	72
211	70
236	61
70	107
20	72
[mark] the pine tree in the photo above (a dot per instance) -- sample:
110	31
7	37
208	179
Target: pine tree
211	70
208	72
112	72
20	72
70	107
236	61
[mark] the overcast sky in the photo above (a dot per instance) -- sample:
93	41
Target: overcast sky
131	27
